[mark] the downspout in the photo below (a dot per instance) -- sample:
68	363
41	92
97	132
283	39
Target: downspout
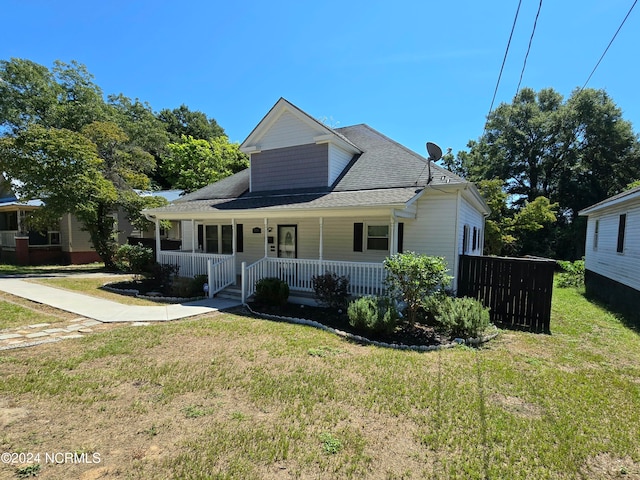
157	222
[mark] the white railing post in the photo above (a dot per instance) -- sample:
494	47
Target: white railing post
209	279
243	282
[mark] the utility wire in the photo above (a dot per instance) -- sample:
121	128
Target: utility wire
524	65
607	49
513	27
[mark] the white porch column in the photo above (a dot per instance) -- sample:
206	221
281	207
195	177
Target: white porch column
19	222
157	240
266	235
321	252
393	236
193	236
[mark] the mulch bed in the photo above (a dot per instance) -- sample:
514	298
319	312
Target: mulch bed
404	334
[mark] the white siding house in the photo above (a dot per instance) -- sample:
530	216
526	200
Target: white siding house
612	250
317	199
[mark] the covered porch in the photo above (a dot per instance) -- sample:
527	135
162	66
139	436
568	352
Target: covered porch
242	250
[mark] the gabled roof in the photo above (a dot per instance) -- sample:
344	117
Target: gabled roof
283	106
630	195
381	172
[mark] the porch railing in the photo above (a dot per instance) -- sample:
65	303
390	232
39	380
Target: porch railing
191	264
364	278
8	238
221	273
219	269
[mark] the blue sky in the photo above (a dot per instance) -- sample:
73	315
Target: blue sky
415	70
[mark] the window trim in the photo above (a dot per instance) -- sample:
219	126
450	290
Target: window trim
387	237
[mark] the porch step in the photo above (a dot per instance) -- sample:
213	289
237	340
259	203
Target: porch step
232	292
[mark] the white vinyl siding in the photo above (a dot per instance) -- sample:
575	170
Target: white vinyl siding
288	131
433	231
605	260
471	218
338	160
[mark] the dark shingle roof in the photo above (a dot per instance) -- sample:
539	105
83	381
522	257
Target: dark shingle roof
384	173
230	187
385	163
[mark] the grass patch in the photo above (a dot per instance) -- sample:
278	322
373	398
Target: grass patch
13	315
91	286
233	397
8	269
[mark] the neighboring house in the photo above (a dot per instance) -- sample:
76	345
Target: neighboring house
318	199
68	243
612	251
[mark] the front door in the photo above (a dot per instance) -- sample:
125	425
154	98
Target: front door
287	241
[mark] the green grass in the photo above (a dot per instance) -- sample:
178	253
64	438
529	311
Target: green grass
91	286
233	397
12	315
7	269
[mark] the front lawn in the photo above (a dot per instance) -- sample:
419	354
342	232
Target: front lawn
9	269
92	286
228	396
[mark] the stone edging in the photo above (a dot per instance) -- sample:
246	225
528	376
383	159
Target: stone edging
366	341
135	293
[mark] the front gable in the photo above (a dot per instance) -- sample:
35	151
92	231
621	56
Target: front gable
290	150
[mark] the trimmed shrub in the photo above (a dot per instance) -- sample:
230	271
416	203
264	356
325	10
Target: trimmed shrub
135	259
331	290
373	314
572	275
188	287
458	317
162	276
412	276
272	291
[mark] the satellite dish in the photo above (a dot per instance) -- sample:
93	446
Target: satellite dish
435	152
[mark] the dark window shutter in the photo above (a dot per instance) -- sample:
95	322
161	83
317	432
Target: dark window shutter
200	244
400	237
475	238
239	238
621	228
465	239
358	235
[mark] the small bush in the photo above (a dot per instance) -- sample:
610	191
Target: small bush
272	291
572	275
133	258
162	276
375	315
458	317
412	276
331	290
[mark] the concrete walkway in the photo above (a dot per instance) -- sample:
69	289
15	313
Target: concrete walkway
93	311
106	310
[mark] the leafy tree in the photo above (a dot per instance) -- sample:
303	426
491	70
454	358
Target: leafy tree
573	153
63	168
182	121
68	147
195	163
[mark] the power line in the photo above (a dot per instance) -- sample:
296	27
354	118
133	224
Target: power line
607	49
513	27
524	65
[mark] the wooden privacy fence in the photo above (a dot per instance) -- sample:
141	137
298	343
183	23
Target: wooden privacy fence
517	290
